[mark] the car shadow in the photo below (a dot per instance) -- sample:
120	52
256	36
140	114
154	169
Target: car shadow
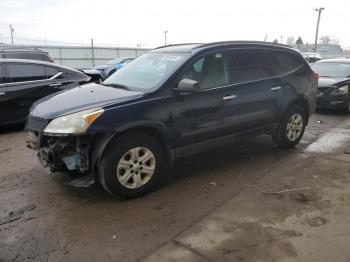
12	128
330	112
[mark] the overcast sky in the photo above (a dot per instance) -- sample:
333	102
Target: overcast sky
131	22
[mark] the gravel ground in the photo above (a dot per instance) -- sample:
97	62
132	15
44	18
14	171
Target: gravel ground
43	219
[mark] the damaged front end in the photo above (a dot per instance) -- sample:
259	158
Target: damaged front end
72	154
62	154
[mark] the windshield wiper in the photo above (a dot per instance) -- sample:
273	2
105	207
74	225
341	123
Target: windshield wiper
117	86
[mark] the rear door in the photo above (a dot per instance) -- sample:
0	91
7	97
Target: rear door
25	82
257	86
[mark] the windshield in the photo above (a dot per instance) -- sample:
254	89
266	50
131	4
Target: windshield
115	61
332	69
148	71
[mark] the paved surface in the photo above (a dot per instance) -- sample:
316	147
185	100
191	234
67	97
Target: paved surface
203	210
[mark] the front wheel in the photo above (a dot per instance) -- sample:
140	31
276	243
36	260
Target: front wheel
291	128
131	165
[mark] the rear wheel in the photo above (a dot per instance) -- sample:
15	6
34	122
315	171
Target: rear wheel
291	128
131	165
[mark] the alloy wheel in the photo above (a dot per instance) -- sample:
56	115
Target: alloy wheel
136	167
294	127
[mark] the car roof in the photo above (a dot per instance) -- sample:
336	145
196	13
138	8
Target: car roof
24	50
335	60
28	61
195	47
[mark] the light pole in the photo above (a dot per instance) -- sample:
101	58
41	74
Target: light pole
165	32
319	10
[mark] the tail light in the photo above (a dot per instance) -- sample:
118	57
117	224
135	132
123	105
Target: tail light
315	76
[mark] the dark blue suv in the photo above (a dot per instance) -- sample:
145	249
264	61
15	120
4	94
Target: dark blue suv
172	102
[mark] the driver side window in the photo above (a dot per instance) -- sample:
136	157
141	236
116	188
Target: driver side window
210	71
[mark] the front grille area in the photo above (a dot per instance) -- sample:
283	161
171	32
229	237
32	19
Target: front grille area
36	123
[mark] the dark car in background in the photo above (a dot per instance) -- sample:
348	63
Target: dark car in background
169	103
112	66
25	53
22	82
334	84
311	57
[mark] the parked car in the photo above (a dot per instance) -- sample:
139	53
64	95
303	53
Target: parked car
311	57
25	53
333	86
172	102
22	82
112	66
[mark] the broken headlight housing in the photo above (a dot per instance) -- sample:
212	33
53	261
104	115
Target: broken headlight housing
76	123
342	90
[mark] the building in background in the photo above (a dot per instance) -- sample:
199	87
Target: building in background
325	50
84	57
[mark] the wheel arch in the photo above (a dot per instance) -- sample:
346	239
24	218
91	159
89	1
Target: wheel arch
155	131
303	103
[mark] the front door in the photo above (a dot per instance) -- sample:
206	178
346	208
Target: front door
203	115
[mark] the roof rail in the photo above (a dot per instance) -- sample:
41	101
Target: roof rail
177	45
240	42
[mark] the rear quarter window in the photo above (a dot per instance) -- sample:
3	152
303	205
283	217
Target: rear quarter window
284	62
51	71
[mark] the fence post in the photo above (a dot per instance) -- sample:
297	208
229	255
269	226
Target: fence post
92	52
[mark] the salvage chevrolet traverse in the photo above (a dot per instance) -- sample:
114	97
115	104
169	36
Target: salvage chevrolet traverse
171	102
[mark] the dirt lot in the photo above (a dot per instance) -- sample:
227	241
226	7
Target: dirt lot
203	211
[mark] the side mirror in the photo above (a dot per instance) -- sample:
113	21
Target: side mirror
188	85
56	76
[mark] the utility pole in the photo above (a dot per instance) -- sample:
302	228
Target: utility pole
319	10
11	30
92	52
165	32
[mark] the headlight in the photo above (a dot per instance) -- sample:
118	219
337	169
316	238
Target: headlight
343	90
76	123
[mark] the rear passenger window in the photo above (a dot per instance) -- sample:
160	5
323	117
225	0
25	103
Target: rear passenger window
26	72
250	64
210	71
32	56
284	62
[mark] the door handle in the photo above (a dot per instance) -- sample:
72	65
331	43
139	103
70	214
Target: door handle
230	97
275	88
55	85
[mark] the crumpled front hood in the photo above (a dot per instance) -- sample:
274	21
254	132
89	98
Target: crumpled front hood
79	99
330	81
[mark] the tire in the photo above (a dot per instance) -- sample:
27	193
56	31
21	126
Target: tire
120	171
291	128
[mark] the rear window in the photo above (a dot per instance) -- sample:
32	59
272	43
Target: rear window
250	64
284	62
26	72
